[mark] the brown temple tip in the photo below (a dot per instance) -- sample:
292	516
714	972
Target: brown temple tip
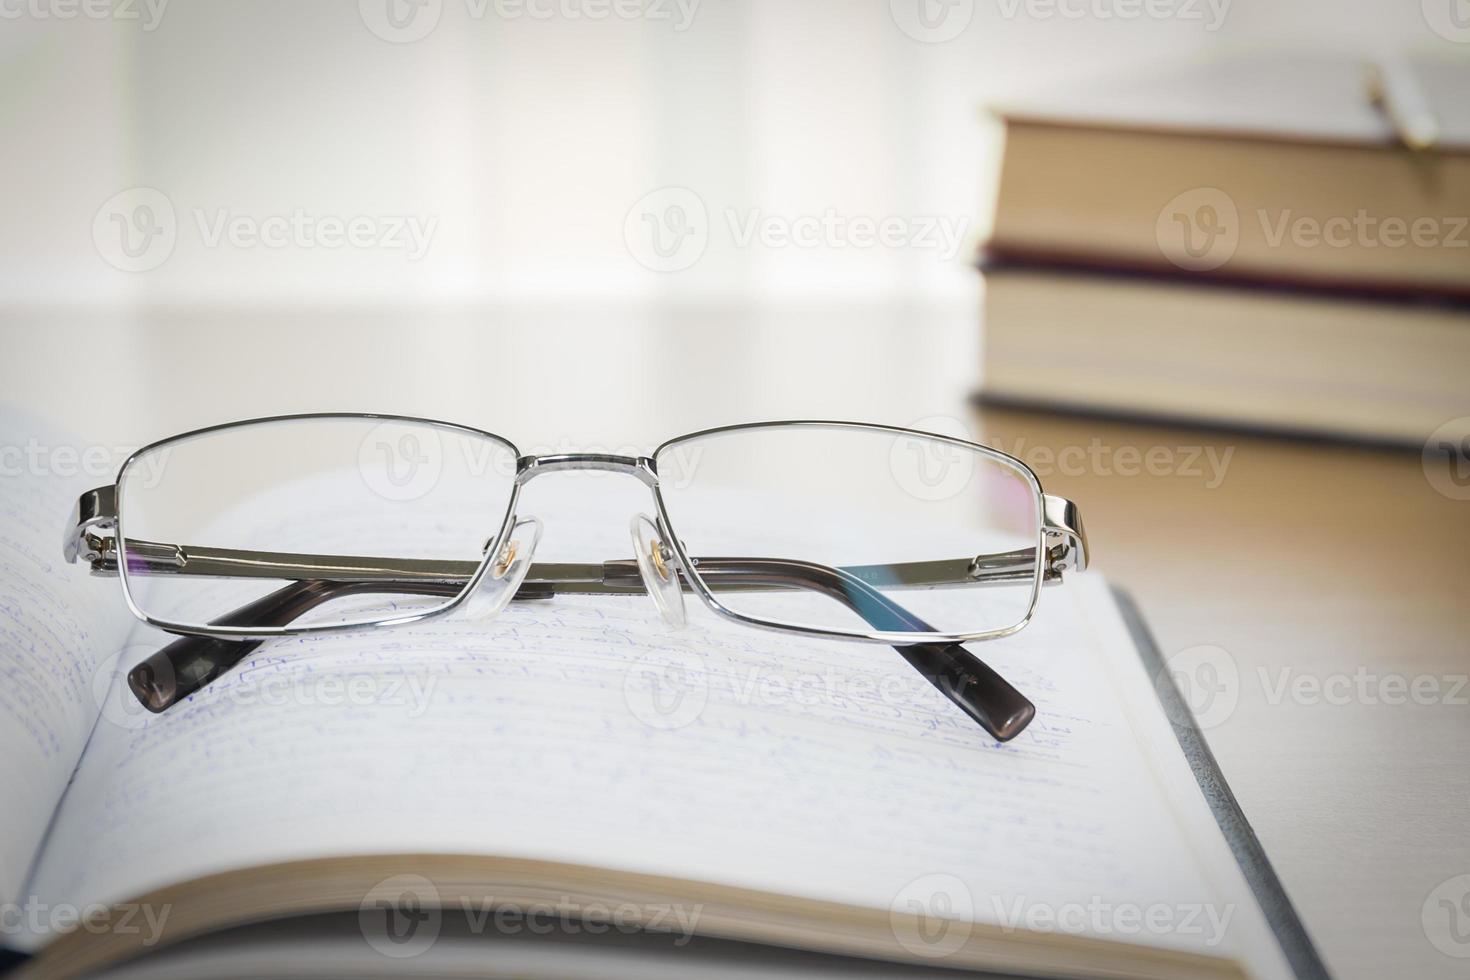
183	667
152	691
974	687
1009	727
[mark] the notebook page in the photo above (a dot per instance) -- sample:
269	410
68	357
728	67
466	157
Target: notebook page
56	626
583	730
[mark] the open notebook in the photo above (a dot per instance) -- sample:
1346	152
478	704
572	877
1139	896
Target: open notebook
577	754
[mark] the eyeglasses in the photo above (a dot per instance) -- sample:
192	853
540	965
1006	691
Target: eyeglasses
235	534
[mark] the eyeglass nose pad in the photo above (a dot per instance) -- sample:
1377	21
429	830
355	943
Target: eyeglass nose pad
656	565
507	570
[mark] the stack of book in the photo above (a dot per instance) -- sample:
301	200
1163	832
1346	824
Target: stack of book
1273	244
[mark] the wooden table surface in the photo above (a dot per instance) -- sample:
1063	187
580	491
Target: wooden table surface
1334	579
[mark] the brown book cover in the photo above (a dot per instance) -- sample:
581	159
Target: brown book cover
1266	170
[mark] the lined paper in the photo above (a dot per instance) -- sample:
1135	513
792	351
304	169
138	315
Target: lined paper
584	730
816	769
56	627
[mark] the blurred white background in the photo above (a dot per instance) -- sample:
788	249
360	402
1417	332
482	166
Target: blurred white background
645	215
520	133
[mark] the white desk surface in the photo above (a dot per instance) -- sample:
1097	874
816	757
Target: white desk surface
1321	562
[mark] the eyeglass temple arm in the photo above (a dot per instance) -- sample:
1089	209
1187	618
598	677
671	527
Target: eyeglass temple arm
192	662
184	666
966	680
1065	544
189	663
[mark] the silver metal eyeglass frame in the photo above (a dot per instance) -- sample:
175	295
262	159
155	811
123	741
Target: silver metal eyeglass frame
1061	545
96	534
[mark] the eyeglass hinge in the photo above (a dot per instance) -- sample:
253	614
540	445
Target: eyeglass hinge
1064	538
99	551
96	510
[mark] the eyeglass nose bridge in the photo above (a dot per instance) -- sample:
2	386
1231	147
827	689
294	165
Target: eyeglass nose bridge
640	467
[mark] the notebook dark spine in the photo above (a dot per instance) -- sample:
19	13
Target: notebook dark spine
1300	952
